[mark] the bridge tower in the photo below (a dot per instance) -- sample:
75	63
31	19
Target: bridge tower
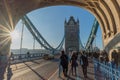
71	35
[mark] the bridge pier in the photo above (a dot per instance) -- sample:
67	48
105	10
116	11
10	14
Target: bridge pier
5	43
112	43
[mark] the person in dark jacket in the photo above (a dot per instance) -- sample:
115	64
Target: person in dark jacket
64	63
73	62
84	63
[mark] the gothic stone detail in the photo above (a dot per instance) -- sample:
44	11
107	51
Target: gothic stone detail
71	35
113	42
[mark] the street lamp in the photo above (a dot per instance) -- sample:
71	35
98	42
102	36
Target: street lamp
21	38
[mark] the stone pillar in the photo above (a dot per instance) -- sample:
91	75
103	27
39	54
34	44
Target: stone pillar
5	42
112	42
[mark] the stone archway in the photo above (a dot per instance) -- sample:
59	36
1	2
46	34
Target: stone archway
106	12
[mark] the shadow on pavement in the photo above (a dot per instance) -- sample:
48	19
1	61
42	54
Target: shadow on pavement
35	72
35	62
70	78
55	60
21	67
90	73
9	73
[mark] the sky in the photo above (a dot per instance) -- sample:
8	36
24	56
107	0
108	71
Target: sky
50	23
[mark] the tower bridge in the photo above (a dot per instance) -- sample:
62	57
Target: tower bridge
71	35
107	13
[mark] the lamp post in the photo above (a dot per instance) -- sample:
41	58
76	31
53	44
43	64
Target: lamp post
21	38
33	43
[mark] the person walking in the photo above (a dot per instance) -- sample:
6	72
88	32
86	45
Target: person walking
73	62
64	63
84	63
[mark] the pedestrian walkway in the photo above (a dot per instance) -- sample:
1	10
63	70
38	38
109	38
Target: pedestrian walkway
79	75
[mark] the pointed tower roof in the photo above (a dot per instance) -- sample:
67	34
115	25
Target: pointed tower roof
77	20
65	20
71	20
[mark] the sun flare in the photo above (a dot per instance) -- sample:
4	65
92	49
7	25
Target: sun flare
14	35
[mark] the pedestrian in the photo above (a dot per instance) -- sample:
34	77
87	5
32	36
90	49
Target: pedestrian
28	54
115	57
64	63
84	63
73	62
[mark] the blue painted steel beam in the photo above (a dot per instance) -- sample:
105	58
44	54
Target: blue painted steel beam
92	34
35	33
32	32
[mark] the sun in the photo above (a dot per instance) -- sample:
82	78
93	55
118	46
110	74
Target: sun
14	35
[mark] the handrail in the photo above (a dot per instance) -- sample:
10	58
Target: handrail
18	58
107	71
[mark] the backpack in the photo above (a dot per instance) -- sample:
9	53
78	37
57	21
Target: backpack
84	60
64	60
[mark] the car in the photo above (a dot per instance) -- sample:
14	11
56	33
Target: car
48	56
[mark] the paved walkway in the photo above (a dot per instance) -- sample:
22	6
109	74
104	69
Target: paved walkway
79	75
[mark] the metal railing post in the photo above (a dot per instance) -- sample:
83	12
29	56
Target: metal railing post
108	71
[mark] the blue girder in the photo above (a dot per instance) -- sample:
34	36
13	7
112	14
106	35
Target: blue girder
35	33
92	34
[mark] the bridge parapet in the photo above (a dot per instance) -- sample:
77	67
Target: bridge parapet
106	71
16	58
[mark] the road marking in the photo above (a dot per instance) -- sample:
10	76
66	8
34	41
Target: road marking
53	74
77	77
23	66
27	70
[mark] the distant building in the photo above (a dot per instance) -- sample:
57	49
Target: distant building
71	35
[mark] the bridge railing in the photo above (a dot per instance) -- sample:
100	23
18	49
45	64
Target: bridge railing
16	58
105	71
